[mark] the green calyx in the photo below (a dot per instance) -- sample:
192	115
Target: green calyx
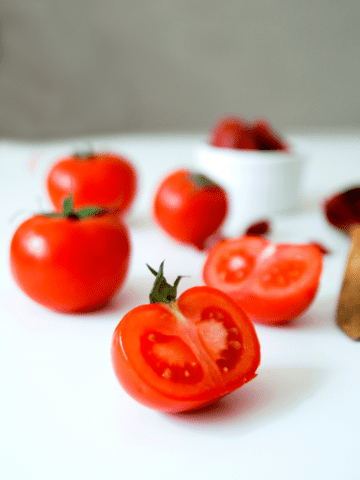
88	155
163	292
69	212
202	181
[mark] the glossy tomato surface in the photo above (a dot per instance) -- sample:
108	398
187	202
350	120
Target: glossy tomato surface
183	355
68	264
100	179
274	283
189	207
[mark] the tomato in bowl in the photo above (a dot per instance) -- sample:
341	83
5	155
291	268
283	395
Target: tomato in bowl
258	169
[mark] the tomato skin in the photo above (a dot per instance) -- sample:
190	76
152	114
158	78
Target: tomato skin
237	133
265	137
189	211
106	180
273	283
70	265
181	322
232	132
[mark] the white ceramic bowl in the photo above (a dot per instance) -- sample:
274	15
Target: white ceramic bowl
258	183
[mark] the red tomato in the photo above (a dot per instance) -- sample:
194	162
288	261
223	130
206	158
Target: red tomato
71	262
189	207
265	137
232	132
95	179
177	355
273	283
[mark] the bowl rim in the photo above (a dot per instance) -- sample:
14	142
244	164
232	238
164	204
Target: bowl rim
258	156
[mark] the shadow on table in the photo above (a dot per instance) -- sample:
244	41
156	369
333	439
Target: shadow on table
274	393
320	316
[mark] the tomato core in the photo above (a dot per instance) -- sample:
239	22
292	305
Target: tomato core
220	338
235	267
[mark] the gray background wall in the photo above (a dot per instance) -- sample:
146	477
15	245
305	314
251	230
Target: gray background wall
80	67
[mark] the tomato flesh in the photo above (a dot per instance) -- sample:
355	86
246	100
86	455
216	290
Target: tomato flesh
170	357
220	337
283	274
184	355
273	283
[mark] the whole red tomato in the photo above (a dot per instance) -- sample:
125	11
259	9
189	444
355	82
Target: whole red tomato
177	355
274	283
94	179
232	132
190	207
72	261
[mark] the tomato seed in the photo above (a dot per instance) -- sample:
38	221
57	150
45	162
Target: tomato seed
167	373
234	330
225	369
152	337
235	344
187	373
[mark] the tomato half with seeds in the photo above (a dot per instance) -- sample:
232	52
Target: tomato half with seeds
101	179
175	355
274	283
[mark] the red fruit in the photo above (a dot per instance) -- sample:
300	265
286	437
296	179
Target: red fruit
265	137
179	354
102	179
232	132
73	261
259	228
273	283
189	207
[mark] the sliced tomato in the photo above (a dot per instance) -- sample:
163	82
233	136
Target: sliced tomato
274	283
187	353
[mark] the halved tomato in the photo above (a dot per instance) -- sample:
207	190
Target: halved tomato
177	355
274	283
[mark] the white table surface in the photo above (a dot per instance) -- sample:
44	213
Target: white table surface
64	416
